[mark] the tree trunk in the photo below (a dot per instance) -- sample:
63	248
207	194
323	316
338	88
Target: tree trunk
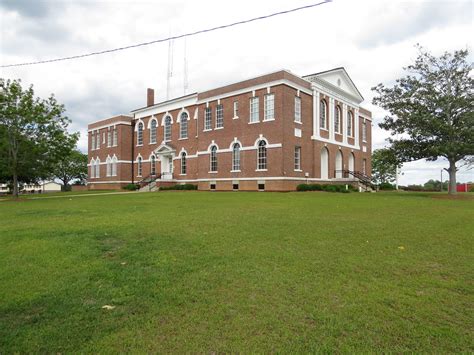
452	177
15	185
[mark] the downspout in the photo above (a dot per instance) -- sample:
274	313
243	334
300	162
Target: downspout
133	149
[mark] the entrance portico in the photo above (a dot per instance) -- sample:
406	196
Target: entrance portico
166	153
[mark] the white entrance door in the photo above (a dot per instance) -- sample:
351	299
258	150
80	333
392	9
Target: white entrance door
166	167
324	163
338	164
351	162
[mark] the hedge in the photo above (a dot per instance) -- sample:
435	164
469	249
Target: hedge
131	187
324	187
180	187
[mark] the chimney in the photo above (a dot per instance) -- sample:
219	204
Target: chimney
150	97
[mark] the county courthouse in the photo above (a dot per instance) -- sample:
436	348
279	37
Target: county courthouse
268	133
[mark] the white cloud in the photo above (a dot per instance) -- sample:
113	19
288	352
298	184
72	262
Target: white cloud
372	39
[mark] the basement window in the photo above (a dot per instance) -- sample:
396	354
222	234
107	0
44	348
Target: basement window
261	187
212	186
235	187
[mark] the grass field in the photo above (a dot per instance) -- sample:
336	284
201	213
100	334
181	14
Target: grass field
228	272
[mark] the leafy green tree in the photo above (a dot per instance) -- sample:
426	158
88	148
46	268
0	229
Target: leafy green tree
72	166
432	110
33	134
384	166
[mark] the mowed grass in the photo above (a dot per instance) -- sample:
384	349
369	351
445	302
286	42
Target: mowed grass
228	272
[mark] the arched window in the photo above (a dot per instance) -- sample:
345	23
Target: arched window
114	166
139	166
183	163
92	165
153	165
236	157
140	134
349	124
109	167
183	132
213	158
323	114
97	168
262	155
153	126
337	120
167	128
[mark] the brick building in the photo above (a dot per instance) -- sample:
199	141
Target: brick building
270	133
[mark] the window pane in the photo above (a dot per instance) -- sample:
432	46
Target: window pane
269	104
183	133
254	102
207	118
219	116
297	109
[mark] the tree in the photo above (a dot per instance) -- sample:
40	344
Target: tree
384	166
431	109
33	134
72	166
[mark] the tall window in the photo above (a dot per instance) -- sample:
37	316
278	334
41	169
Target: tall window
262	155
269	107
323	114
153	128
207	118
92	174
364	166
97	141
140	134
183	125
97	168
153	165
219	116
349	123
297	158
109	167
213	158
254	109
167	129
109	138
139	166
337	120
236	157
297	109
92	141
236	109
115	139
114	166
183	163
364	131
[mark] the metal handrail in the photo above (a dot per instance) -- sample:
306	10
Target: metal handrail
364	179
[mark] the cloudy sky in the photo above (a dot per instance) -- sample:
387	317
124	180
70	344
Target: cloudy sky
373	40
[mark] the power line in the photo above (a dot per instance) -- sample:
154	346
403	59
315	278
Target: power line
166	39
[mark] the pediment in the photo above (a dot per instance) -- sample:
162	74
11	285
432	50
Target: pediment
164	149
337	79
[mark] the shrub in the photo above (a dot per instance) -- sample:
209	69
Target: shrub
324	187
179	187
386	186
131	187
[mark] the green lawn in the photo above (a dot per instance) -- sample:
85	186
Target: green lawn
228	272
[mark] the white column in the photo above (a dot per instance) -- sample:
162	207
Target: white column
316	113
344	124
356	127
331	118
